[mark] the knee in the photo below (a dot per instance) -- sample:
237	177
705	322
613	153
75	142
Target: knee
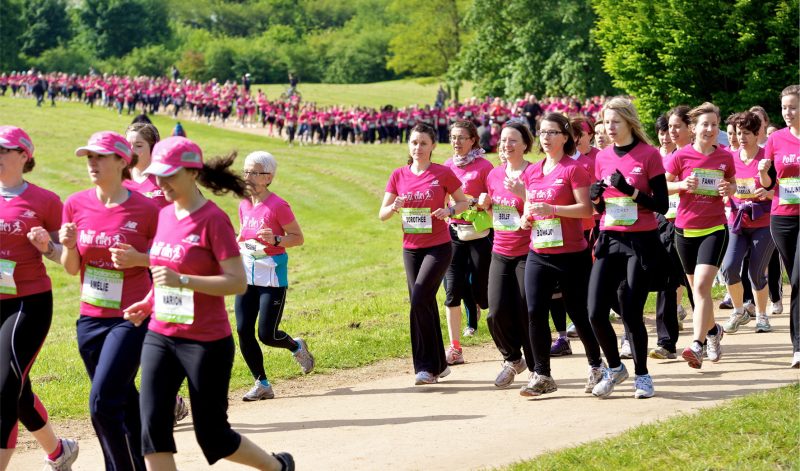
267	338
730	274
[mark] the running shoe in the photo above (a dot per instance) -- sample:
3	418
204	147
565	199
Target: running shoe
776	309
736	320
611	378
69	453
181	410
468	332
625	349
762	324
510	370
444	373
560	347
714	346
682	312
726	302
595	376
303	357
661	353
538	385
286	460
572	332
423	377
454	356
795	360
259	392
644	387
693	354
749	308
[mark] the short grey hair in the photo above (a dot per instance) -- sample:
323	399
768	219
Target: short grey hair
263	158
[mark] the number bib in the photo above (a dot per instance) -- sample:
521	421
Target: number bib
707	181
745	188
622	211
252	248
416	220
505	218
546	233
7	284
102	288
789	190
174	305
672	211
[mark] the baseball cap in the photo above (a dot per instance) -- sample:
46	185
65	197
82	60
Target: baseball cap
12	137
107	142
172	154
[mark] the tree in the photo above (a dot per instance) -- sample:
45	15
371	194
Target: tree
684	52
11	27
427	38
112	28
47	26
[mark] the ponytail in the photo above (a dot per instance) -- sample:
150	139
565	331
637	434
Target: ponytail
217	176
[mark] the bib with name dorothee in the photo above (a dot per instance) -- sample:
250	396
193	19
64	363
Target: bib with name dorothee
174	305
416	220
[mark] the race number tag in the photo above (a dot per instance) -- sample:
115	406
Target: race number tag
621	211
252	248
505	218
416	220
174	305
546	233
672	210
7	285
707	181
745	188
789	189
102	288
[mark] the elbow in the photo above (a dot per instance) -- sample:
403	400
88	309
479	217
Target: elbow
300	240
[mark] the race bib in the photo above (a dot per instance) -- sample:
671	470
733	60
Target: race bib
505	218
745	188
789	189
174	305
102	288
7	285
707	181
546	233
672	210
416	220
252	248
621	211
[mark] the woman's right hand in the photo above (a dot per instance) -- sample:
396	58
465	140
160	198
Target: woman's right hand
138	312
68	235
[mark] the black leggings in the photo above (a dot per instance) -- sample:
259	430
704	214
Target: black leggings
786	234
704	250
25	323
166	361
622	270
468	270
268	302
508	310
571	272
425	269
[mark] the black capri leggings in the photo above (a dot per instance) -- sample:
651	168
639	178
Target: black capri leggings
508	310
471	260
266	304
166	361
571	272
25	323
425	268
786	233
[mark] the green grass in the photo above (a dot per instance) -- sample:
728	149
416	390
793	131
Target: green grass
394	92
347	292
759	431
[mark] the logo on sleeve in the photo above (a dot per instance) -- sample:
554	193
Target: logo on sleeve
130	226
193	239
723	167
28	214
637	171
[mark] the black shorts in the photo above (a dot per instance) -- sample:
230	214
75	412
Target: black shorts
705	250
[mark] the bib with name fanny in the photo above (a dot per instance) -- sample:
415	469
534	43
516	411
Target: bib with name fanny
707	181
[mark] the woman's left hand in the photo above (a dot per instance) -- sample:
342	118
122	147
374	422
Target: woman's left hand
163	276
441	213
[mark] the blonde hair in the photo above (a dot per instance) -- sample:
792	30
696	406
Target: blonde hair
705	108
625	109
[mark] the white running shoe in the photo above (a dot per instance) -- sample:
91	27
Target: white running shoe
625	349
776	309
69	453
611	378
737	319
595	376
644	387
510	371
259	392
714	345
303	357
795	360
424	377
538	385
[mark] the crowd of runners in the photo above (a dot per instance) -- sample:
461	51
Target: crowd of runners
592	227
287	116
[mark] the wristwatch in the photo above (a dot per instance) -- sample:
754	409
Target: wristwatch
278	240
184	280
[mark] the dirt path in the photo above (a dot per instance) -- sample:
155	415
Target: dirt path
374	418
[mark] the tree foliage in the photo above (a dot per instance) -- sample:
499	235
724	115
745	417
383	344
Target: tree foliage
11	28
735	54
46	26
113	28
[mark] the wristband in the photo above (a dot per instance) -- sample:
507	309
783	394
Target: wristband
451	210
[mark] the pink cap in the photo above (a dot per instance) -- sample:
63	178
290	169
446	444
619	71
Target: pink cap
172	154
107	142
12	137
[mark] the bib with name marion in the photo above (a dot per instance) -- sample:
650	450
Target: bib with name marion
174	305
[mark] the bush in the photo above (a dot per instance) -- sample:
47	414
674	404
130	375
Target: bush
71	60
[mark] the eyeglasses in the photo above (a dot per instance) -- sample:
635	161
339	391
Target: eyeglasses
248	173
549	133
